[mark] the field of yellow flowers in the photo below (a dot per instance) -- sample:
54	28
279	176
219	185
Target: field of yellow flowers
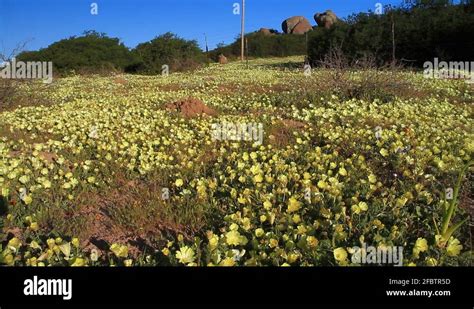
97	172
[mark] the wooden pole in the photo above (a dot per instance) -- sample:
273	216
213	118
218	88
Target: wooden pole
242	36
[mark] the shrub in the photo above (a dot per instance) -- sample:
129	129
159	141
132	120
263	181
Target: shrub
92	52
167	49
422	32
260	46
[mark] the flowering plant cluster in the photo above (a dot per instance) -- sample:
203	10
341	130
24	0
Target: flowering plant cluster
330	174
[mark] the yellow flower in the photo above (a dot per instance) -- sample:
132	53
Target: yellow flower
165	251
75	242
363	206
246	224
293	205
322	184
384	152
65	249
296	219
179	182
259	232
431	262
273	243
421	245
267	205
4	192
213	241
128	263
454	247
234	238
79	262
34	245
227	262
24	179
340	255
27	199
342	171
32	261
34	226
312	241
355	209
50	243
401	201
119	250
14	244
47	184
372	178
185	255
9	259
292	257
258	178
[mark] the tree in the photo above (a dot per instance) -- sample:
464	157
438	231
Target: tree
91	52
167	49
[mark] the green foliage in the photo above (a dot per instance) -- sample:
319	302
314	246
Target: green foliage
167	49
448	227
91	52
95	53
423	30
260	46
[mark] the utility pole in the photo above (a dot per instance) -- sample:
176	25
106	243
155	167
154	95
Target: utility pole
207	47
242	36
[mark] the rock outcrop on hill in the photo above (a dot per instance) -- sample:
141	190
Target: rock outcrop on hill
326	19
296	25
266	31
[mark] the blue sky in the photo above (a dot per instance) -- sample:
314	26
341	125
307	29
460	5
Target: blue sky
42	22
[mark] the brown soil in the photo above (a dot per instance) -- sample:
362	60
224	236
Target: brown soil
48	156
190	107
283	131
121	81
102	228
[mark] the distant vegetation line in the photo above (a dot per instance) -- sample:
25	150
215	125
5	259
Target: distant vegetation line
424	29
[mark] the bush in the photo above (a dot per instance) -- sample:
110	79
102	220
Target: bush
260	46
8	89
422	32
93	52
167	49
360	79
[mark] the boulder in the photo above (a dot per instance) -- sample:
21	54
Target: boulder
222	59
296	25
326	19
266	31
